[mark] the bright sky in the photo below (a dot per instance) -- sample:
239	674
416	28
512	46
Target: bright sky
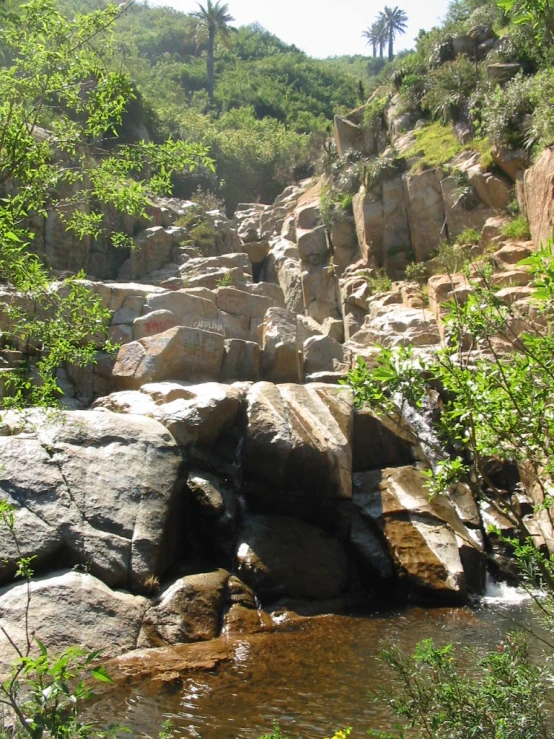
324	27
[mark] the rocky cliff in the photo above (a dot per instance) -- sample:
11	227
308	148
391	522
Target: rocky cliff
214	465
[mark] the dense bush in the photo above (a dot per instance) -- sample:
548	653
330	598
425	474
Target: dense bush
448	89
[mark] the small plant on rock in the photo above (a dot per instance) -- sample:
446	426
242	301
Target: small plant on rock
379	282
416	272
518	228
225	281
468	237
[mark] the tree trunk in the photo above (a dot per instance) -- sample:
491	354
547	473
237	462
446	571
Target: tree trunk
210	62
374	49
391	52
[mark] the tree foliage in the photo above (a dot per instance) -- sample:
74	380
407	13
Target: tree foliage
59	101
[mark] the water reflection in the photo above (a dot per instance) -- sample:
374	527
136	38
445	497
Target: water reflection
313	679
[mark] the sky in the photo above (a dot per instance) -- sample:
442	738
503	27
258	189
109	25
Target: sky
324	28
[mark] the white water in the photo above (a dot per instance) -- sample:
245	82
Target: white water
500	593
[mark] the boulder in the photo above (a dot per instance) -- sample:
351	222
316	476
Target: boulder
180	353
279	556
320	290
369	220
312	246
425	208
189	309
539	197
322	353
190	610
396	325
194	414
153	249
289	277
424	537
348	136
511	161
68	609
297	450
379	442
242	303
501	72
282	356
83	482
156	322
241	361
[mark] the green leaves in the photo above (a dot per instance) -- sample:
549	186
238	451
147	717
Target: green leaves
59	101
500	697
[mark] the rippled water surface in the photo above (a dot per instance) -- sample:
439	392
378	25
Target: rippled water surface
313	679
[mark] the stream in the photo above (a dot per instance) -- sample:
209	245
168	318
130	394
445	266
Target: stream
315	676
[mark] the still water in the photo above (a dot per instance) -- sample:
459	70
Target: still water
314	678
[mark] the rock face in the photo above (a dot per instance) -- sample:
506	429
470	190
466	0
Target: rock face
93	488
423	537
218	444
181	353
280	556
69	608
297	449
193	414
539	198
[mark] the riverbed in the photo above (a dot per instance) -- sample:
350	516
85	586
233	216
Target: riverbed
313	676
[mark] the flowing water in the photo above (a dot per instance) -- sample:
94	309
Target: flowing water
313	678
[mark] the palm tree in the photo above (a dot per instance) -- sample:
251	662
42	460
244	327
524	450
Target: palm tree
371	34
394	20
382	34
215	17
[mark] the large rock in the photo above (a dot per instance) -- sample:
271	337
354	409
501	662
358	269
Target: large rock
190	610
241	361
426	214
279	556
194	414
321	354
313	247
539	197
180	353
282	350
320	290
153	248
348	136
93	488
297	448
69	609
424	537
395	325
369	220
188	308
379	442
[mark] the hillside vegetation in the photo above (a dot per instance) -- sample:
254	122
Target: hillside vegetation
272	103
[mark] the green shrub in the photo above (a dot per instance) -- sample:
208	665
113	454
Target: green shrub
416	272
451	258
539	131
381	168
506	111
225	281
374	113
449	87
379	282
518	228
500	696
468	237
